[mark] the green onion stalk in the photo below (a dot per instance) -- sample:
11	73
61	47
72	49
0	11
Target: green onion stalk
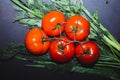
105	37
108	39
24	7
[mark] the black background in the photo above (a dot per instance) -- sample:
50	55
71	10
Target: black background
14	32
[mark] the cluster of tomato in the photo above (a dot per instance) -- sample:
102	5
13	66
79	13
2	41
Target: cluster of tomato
63	38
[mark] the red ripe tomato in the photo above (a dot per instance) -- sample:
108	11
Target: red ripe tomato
77	27
36	41
53	23
61	50
87	53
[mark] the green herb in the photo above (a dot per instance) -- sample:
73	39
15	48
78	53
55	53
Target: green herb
30	14
103	67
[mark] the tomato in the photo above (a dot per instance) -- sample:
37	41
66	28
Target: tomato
53	23
87	53
61	50
77	27
36	41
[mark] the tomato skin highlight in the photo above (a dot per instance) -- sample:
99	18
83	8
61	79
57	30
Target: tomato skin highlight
61	50
77	27
51	21
34	41
87	53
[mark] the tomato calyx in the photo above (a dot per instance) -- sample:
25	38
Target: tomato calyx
58	26
87	52
61	47
76	29
44	39
61	50
84	53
